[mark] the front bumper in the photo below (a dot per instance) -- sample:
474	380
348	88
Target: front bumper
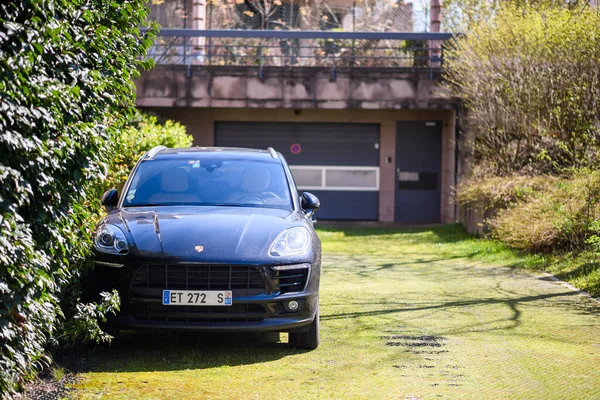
258	302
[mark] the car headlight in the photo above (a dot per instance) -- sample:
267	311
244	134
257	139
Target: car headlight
291	242
111	239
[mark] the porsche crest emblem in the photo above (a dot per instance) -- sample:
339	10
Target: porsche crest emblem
199	249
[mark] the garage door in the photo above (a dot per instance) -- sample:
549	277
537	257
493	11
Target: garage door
339	163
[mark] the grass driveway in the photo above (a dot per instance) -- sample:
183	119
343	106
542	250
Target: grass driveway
406	314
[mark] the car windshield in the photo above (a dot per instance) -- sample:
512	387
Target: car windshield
209	181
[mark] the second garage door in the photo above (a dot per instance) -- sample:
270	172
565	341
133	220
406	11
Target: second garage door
339	163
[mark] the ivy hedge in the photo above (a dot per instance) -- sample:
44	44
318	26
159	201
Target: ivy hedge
81	321
143	132
66	86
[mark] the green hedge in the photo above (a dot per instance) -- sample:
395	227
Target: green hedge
66	81
529	75
564	216
542	213
144	131
501	191
556	218
81	322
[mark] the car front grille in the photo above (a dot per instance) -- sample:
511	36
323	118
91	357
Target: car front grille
148	282
237	313
198	277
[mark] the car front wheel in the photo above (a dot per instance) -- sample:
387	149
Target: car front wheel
308	340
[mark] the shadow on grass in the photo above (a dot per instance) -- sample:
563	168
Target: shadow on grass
585	269
146	351
511	303
360	266
368	271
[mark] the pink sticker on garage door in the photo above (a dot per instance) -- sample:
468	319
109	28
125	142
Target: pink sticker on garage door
296	148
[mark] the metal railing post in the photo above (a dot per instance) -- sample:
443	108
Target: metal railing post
209	50
261	73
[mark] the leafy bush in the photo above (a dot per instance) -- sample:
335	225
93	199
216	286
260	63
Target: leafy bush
530	77
143	132
500	192
66	80
81	321
83	325
548	214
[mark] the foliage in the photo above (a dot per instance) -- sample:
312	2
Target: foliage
564	216
378	16
142	133
461	15
66	78
594	239
530	77
501	192
541	213
57	372
83	325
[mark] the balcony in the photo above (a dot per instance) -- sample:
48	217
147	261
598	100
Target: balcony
295	69
278	48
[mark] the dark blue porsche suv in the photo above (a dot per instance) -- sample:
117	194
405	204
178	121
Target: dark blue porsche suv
212	239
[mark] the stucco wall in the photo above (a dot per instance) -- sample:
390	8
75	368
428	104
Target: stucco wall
299	88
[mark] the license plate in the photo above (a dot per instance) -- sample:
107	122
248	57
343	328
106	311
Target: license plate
197	298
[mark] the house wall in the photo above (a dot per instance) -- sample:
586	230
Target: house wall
200	122
300	88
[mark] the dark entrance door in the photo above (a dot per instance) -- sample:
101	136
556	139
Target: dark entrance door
418	171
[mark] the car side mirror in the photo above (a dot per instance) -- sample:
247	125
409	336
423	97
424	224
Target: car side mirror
109	200
310	203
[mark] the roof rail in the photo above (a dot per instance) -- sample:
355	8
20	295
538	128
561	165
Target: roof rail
272	152
151	153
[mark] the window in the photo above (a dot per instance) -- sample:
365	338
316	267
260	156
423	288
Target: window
318	177
169	13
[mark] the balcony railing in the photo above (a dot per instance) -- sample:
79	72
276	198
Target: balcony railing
262	48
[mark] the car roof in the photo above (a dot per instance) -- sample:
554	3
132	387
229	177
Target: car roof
217	152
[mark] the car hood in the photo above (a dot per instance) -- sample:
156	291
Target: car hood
204	234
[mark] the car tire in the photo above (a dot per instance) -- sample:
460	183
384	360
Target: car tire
308	340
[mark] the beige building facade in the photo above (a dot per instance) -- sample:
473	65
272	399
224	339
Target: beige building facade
208	101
